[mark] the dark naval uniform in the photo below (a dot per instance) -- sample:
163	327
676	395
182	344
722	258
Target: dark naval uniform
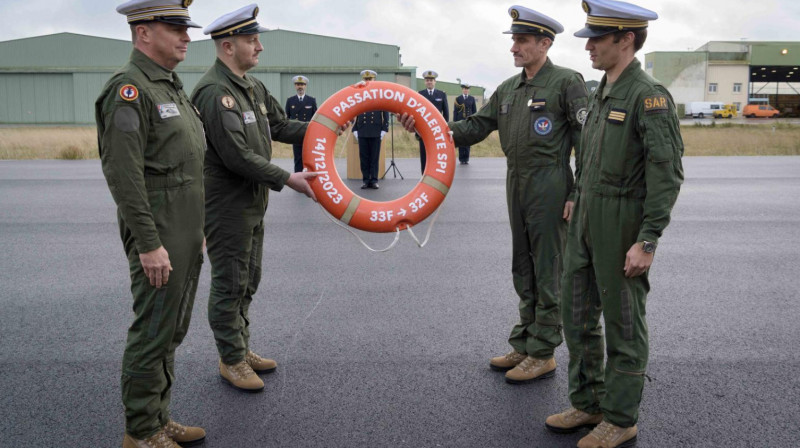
151	150
301	110
539	120
463	107
241	120
629	179
439	100
369	126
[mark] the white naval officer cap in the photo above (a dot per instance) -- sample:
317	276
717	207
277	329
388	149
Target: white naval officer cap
241	21
300	79
430	74
527	21
368	74
175	12
607	16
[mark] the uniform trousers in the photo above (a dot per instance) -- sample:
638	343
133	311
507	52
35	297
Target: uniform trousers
161	316
298	157
536	198
369	151
235	247
600	234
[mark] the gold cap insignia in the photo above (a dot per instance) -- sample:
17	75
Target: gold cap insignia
255	11
514	14
186	3
585	7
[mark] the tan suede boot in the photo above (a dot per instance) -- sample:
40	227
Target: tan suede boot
241	376
259	364
531	369
185	435
607	435
508	361
572	420
157	440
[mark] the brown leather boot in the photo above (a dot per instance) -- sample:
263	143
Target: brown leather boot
572	420
185	435
241	376
259	364
531	369
507	361
608	435
157	440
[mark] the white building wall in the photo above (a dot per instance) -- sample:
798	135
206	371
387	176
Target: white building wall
727	77
688	86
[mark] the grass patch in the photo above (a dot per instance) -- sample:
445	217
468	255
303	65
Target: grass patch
721	139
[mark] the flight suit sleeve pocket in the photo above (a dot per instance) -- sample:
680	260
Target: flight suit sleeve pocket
658	140
231	121
126	119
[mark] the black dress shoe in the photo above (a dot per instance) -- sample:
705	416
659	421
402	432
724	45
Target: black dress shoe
364	186
374	186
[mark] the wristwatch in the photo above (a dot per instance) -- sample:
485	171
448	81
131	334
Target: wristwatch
648	247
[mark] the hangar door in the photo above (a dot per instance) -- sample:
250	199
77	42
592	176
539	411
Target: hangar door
36	98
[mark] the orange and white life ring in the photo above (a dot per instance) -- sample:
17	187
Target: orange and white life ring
337	198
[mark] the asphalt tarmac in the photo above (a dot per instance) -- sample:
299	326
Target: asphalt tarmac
391	349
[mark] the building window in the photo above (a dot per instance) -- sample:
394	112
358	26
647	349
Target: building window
712	87
649	65
738	106
737	87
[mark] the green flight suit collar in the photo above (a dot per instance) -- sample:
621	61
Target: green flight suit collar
152	70
540	78
244	83
623	84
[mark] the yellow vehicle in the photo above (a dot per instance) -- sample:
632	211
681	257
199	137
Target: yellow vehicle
727	111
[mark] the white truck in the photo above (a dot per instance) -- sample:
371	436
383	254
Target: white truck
703	109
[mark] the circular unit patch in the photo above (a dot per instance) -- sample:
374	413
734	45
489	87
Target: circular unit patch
581	115
129	92
228	102
543	126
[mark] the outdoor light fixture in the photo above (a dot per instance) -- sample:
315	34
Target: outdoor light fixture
785	51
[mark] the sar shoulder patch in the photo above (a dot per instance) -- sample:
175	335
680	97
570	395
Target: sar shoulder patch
129	92
655	104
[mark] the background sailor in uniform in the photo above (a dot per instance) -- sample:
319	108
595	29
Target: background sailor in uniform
538	114
630	176
300	107
439	100
464	106
369	129
242	118
151	150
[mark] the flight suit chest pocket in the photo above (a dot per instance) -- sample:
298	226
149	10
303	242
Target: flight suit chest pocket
616	121
174	127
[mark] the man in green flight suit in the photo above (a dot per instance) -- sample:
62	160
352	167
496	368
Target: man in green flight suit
630	176
241	119
539	114
151	149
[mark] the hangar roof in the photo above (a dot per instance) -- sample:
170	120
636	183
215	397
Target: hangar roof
284	49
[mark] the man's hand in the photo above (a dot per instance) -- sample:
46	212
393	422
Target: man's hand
300	182
568	206
156	266
637	261
407	121
355	134
382	134
340	130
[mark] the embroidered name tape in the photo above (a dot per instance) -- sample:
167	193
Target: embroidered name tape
168	110
249	117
